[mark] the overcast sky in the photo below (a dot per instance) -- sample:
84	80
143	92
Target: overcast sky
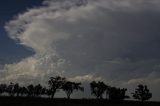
117	41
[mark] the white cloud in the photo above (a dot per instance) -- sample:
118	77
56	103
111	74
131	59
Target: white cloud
84	78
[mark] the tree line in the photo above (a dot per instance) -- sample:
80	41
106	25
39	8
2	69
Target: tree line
98	89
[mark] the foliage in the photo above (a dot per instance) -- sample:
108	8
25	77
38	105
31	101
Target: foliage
69	87
55	83
117	94
98	88
142	93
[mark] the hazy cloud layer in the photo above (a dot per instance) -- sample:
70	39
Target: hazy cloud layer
116	41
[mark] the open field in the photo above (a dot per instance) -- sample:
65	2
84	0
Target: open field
8	101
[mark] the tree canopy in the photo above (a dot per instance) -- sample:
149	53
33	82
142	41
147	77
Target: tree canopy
142	93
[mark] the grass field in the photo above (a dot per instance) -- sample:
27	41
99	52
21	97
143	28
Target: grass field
8	101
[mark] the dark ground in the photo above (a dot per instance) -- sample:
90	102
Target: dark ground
8	101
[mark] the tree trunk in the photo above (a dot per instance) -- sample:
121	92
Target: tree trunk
53	93
101	97
97	97
52	97
68	96
142	102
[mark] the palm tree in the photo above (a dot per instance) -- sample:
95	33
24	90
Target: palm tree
55	83
69	87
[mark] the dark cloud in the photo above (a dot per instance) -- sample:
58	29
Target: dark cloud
116	40
132	36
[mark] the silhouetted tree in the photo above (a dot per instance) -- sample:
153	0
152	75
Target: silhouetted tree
48	92
55	83
16	89
117	94
10	89
98	88
69	87
30	90
44	91
3	88
142	93
37	90
23	91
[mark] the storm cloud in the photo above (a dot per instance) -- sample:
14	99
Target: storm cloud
116	41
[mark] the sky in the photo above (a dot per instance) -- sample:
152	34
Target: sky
10	50
115	41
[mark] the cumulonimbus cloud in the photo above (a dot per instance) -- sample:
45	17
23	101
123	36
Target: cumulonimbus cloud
84	38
